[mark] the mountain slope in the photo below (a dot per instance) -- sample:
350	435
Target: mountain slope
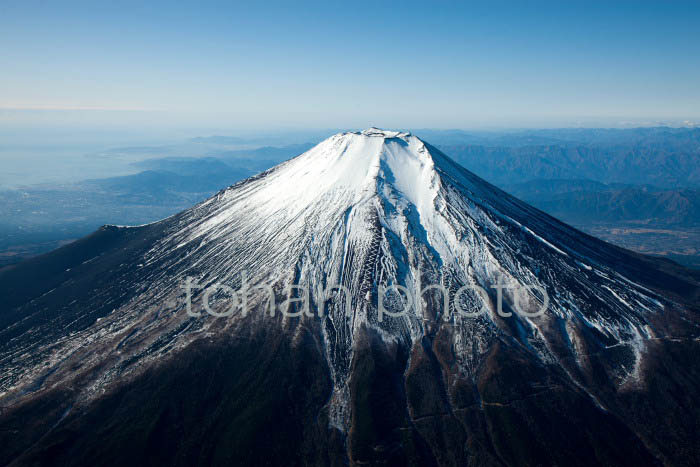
103	360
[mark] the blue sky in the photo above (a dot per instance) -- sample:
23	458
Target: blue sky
352	64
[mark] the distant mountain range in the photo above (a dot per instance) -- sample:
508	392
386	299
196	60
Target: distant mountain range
672	138
665	157
585	201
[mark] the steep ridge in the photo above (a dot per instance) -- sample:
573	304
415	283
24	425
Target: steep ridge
591	376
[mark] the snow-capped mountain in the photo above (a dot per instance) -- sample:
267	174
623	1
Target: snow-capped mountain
109	355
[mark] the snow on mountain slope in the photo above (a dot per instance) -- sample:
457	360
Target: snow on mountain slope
374	207
362	210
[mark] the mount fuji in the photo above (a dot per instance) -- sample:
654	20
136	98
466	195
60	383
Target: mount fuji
538	344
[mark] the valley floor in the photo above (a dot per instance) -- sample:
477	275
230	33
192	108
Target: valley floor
681	245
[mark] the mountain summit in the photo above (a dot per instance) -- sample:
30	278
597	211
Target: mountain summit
398	309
